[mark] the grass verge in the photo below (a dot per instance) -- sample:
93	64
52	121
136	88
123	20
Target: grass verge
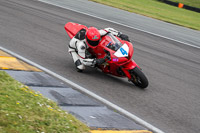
158	10
23	110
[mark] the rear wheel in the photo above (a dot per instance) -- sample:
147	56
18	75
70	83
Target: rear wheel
138	78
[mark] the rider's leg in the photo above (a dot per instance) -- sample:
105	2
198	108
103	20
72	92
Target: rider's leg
77	61
72	49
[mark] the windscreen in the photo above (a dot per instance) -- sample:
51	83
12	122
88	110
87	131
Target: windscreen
115	44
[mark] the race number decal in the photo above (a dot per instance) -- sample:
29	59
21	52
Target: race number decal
123	51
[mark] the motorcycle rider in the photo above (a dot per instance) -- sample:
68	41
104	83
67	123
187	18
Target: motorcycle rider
89	38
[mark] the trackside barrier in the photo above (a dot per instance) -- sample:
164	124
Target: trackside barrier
181	5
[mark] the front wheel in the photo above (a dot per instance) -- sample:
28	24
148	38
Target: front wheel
138	78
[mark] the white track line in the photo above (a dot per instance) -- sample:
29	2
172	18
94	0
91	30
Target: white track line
84	90
121	24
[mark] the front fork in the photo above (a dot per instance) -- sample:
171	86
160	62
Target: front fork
129	66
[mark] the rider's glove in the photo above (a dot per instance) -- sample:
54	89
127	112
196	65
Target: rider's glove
123	37
102	60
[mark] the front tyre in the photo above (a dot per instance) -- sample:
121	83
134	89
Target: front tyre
138	78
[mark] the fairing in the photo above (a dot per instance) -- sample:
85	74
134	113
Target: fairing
73	28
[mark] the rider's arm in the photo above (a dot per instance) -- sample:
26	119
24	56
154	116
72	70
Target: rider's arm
93	62
103	32
115	33
78	52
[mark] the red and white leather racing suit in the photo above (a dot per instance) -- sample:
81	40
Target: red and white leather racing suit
78	48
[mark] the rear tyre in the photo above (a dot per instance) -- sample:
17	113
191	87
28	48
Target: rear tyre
138	78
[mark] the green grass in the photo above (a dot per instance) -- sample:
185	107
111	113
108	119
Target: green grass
158	10
24	111
193	3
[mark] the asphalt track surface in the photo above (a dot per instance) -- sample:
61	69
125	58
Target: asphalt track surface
35	31
142	23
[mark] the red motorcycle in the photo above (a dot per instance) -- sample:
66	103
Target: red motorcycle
120	54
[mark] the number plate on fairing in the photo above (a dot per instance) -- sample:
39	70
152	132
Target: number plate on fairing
122	51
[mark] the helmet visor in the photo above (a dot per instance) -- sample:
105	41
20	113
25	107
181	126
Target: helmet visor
92	43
